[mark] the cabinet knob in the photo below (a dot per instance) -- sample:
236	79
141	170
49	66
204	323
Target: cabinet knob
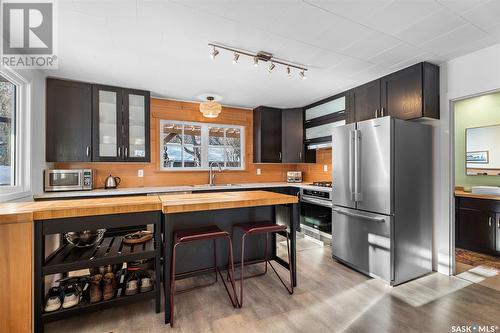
280	156
126	151
300	155
376	113
119	151
489	221
87	151
382	111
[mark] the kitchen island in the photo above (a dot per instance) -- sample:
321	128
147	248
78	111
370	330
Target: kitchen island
24	221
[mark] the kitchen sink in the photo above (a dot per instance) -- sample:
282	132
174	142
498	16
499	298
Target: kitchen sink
487	190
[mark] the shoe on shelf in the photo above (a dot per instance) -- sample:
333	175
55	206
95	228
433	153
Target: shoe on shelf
72	296
146	281
54	299
131	283
95	288
138	237
109	286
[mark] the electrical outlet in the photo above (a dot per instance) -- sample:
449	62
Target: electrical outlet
325	167
140	173
258	172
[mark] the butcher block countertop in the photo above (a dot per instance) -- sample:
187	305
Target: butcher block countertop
462	193
181	203
23	212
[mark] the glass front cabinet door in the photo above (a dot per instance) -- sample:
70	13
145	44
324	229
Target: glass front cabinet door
121	124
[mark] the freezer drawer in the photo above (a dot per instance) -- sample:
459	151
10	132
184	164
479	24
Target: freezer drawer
363	241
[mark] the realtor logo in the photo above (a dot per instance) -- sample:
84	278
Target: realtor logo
28	31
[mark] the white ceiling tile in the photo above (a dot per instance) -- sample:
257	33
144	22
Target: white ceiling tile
356	10
461	6
438	23
371	45
350	67
401	14
485	15
341	34
399	53
455	39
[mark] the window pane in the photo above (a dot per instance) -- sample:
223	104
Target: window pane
233	157
173	133
192	156
192	135
172	156
233	137
108	146
137	125
216	136
216	155
7	124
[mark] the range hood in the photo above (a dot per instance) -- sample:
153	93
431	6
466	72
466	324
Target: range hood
320	136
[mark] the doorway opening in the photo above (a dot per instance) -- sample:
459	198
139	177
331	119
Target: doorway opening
477	180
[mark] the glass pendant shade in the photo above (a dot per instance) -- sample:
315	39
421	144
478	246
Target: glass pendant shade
210	108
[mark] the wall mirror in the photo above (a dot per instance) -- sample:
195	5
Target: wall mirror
482	155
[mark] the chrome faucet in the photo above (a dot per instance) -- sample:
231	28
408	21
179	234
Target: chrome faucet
211	175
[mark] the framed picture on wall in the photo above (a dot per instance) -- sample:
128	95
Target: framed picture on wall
478	157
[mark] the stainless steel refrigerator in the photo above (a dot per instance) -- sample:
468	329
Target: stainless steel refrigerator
382	179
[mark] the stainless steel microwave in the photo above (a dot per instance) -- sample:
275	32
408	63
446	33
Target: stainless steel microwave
68	180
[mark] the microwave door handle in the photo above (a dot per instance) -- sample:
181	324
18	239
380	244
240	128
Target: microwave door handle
351	163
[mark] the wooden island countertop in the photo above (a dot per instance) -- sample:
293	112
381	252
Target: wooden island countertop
25	212
182	203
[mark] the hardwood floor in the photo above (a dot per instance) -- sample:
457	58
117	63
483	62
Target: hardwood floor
330	298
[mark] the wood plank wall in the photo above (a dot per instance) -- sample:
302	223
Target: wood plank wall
186	111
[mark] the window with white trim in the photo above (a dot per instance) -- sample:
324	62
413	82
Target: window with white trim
193	146
15	171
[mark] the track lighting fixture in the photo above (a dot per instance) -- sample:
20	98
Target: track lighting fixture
271	67
302	75
259	57
255	62
214	53
235	58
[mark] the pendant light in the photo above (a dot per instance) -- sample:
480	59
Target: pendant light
210	108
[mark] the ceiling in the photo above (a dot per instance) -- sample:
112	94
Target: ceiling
161	46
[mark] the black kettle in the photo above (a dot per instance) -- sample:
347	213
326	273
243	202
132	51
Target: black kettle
112	182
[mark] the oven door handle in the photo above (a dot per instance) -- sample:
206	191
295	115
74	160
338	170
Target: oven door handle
318	202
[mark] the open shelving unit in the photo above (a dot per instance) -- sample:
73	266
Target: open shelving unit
110	250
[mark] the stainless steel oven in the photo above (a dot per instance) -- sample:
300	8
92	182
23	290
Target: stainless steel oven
68	180
316	214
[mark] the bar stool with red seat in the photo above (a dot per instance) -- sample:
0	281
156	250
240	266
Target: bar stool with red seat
267	228
200	234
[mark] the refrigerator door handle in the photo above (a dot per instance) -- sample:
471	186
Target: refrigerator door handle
343	212
352	135
357	166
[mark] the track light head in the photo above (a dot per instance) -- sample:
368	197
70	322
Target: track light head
288	71
255	62
271	66
303	74
214	53
235	58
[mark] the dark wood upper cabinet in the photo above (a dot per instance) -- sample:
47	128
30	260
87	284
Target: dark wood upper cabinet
90	122
68	121
411	93
107	114
267	135
121	124
365	101
292	135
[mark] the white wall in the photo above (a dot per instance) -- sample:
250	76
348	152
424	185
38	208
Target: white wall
471	74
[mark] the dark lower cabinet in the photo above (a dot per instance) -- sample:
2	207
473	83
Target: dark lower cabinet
68	119
365	101
477	225
267	135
